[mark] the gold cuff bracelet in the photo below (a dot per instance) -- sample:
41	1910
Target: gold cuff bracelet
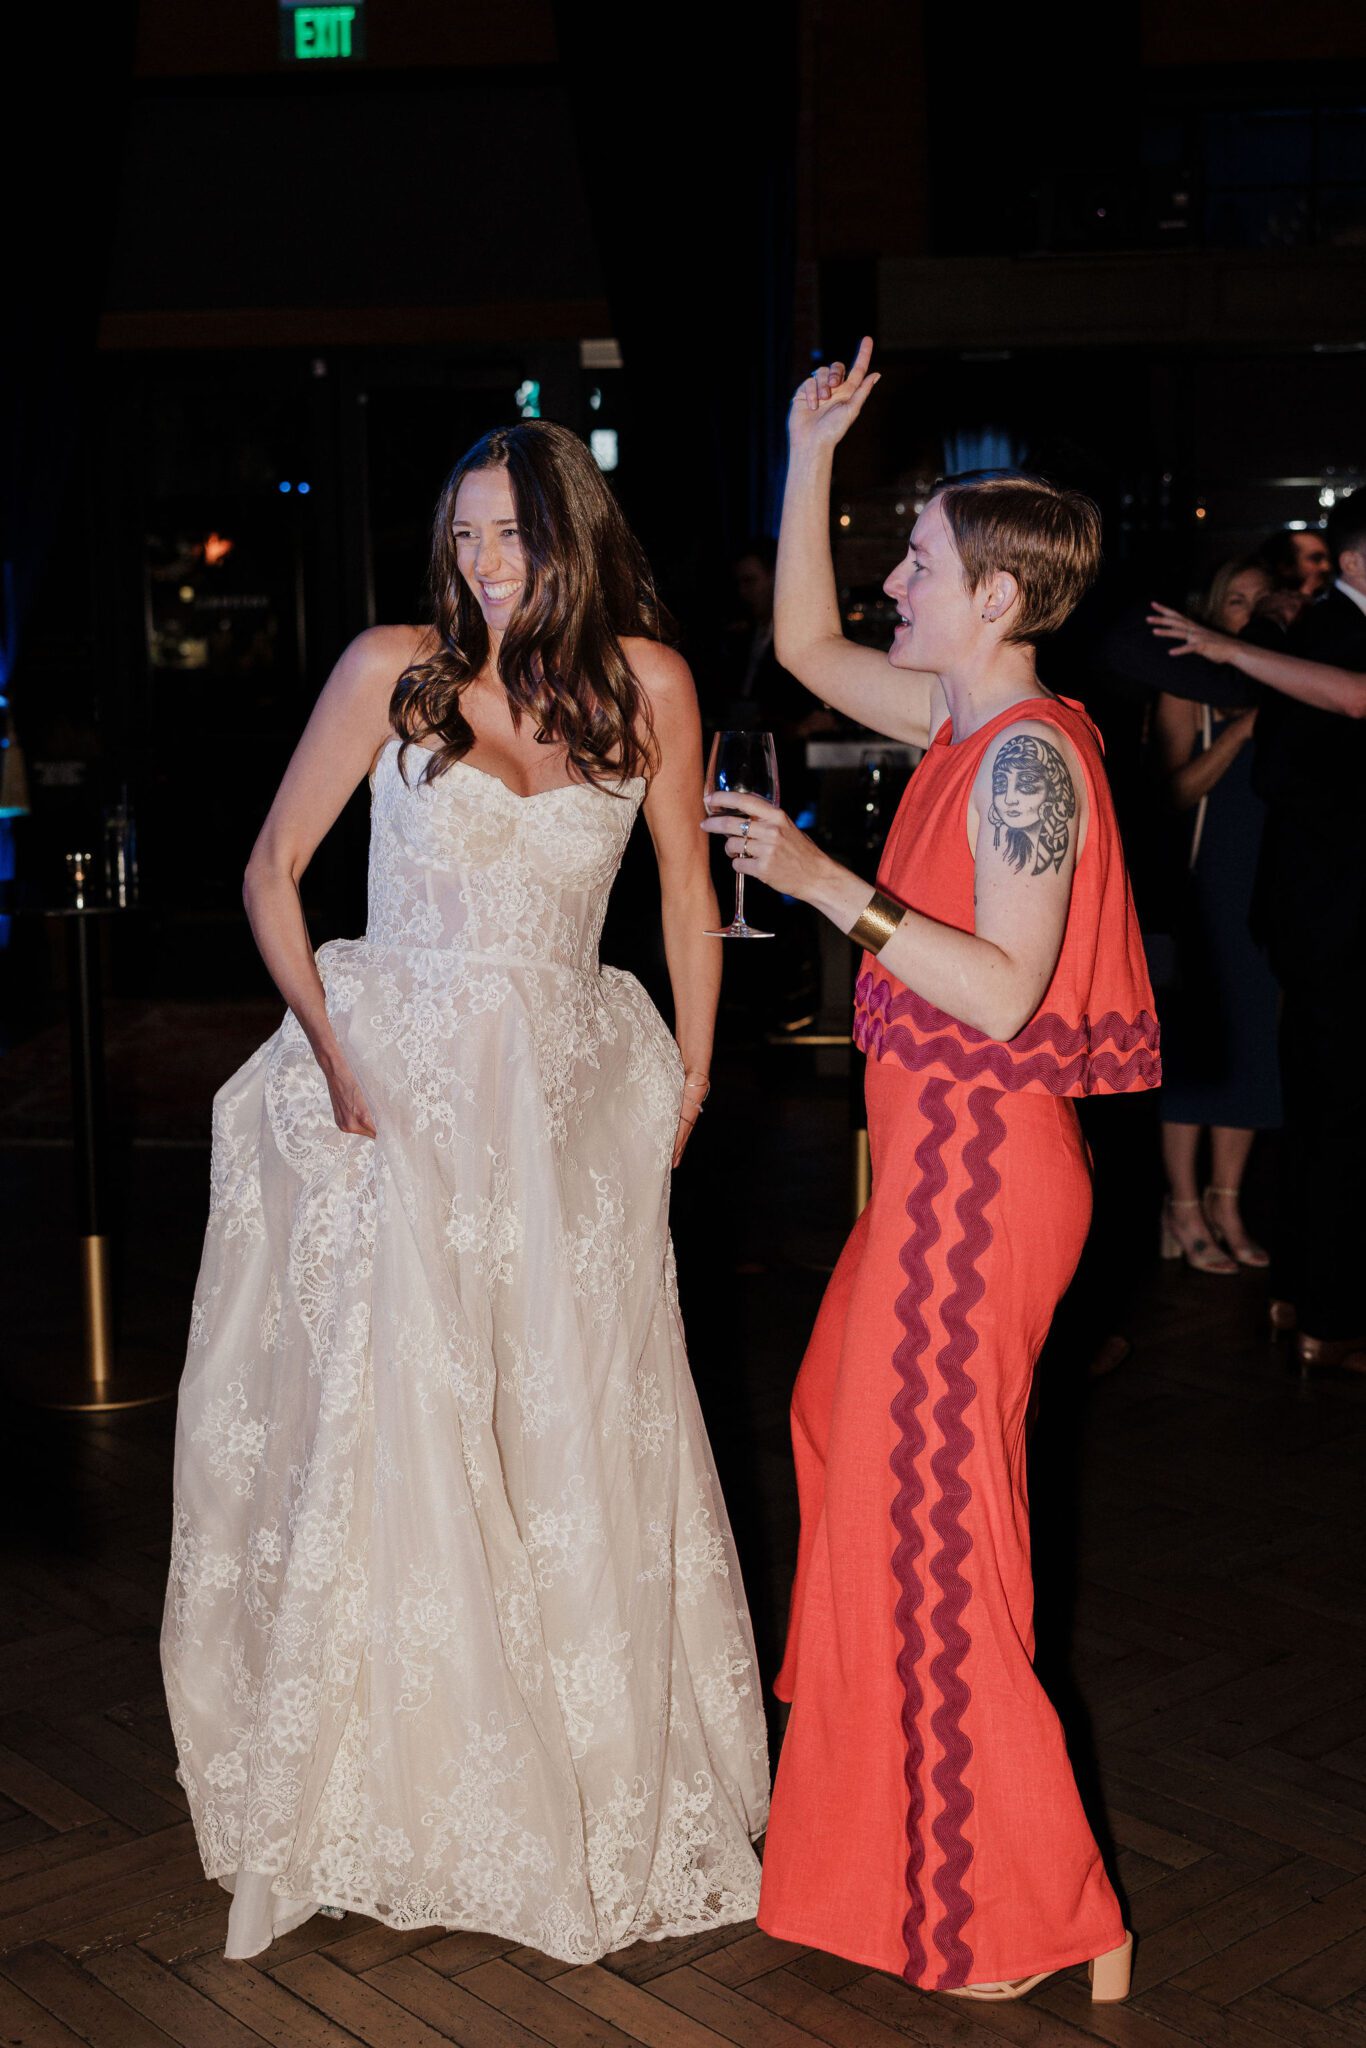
878	919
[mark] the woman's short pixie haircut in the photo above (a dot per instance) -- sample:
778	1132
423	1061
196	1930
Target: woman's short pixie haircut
1047	539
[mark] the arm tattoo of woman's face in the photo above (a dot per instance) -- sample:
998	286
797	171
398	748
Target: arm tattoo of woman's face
1033	803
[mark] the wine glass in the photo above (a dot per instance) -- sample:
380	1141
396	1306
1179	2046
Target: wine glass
741	764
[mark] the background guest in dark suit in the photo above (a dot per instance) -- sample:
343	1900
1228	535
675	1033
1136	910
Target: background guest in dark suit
1309	765
1299	568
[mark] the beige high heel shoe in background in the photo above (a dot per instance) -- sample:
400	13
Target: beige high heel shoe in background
1109	1978
1204	1255
1244	1249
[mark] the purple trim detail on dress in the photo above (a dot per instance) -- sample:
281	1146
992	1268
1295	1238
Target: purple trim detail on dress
905	1462
955	1541
1108	1054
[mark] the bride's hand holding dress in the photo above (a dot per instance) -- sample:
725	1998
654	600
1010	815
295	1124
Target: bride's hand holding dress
349	1105
338	748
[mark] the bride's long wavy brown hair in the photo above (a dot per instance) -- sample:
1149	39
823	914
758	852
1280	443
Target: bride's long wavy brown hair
587	587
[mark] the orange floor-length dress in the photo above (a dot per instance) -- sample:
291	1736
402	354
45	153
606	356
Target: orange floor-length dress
925	1817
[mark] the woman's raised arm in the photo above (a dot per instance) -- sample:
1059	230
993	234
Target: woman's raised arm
808	635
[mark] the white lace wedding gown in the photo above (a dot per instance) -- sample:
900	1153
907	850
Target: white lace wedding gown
455	1633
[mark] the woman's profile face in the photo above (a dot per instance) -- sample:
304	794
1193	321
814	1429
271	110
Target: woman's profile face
936	611
1240	598
488	545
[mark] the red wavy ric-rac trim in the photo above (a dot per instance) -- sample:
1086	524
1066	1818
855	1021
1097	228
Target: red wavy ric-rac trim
910	1396
1109	1053
955	1541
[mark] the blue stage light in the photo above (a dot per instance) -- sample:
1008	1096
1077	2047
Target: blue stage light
304	490
286	487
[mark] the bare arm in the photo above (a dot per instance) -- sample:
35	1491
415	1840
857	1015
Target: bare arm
1192	770
336	750
687	898
808	635
993	977
1312	682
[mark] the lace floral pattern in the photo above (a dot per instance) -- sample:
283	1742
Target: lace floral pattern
531	1379
488	1227
454	1632
600	1250
235	1439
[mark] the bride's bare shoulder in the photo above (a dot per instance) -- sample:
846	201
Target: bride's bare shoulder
674	726
661	671
353	707
385	651
377	657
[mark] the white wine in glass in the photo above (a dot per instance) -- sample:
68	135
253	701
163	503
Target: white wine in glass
741	764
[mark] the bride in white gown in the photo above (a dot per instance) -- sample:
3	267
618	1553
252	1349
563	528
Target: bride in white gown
455	1634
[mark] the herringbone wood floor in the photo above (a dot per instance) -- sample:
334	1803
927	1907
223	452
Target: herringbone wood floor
1206	1651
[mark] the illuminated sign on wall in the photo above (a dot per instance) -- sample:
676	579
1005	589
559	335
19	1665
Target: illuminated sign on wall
321	35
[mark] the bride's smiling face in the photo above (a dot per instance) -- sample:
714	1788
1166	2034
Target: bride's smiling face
488	544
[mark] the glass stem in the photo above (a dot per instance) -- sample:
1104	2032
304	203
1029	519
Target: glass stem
739	897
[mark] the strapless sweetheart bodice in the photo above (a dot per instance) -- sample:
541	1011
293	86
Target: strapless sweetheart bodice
463	863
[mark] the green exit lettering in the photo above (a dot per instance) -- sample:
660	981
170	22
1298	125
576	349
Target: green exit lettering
323	31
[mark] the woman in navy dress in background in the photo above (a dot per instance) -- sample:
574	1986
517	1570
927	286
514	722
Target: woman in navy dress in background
1219	1023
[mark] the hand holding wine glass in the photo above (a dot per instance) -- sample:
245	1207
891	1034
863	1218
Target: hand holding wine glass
742	763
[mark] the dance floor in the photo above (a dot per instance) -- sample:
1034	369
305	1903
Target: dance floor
1202	1625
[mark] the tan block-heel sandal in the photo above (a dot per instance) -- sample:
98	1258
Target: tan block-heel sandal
1109	1978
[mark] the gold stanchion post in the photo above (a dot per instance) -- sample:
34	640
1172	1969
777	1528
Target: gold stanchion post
96	1382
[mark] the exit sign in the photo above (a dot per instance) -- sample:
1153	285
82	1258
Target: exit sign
321	35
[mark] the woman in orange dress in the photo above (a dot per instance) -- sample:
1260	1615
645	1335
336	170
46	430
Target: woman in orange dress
925	1816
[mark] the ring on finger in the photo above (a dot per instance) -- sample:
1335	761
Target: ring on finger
744	828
